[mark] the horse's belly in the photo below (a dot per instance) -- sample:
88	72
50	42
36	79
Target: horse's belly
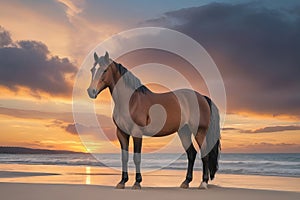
162	127
160	134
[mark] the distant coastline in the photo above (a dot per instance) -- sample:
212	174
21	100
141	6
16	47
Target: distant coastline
24	150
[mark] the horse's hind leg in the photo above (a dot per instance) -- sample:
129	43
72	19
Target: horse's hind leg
205	175
186	140
200	136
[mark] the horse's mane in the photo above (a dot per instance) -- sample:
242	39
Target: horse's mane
131	80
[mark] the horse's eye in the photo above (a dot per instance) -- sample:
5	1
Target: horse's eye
104	71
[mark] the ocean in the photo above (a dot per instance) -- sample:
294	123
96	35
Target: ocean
284	165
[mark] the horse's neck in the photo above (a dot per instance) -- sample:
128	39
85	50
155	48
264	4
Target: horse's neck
121	94
122	91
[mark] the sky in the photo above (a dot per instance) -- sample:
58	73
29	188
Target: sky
255	45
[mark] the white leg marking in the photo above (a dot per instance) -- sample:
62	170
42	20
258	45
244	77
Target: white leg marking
203	185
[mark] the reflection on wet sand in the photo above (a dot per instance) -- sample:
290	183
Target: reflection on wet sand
55	174
88	175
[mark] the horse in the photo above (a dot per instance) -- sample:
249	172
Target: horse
135	116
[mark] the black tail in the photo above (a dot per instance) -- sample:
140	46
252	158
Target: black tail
213	158
212	140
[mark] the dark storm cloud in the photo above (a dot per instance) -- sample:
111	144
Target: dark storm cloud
256	49
29	64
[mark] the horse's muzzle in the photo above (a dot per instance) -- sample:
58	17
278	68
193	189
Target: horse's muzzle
92	93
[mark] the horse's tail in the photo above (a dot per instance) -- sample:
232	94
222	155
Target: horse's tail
213	139
213	160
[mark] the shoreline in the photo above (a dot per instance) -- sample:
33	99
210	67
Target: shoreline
101	176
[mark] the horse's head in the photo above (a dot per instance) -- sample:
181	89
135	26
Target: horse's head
101	75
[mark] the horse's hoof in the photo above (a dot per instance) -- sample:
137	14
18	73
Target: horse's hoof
184	185
120	186
136	186
203	186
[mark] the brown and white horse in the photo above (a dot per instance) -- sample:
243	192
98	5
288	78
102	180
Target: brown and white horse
138	111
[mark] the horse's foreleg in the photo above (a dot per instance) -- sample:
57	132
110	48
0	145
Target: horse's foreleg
137	161
124	142
185	137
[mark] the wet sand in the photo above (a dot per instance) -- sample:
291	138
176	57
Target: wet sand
37	182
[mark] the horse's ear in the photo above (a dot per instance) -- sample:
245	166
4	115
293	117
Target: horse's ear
96	56
106	56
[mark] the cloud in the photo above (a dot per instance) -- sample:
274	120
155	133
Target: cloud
31	65
255	47
265	147
74	129
229	129
270	147
5	38
272	129
65	121
33	114
267	129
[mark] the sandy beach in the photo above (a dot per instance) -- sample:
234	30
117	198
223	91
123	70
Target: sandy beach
12	191
37	182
